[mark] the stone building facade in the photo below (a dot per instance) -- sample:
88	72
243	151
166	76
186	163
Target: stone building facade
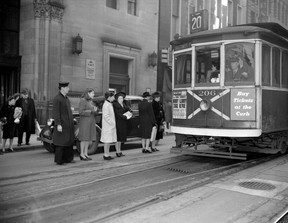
118	36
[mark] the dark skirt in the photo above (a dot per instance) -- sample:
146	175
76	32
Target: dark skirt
9	131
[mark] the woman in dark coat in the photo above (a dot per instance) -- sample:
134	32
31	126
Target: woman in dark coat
147	121
122	114
87	127
9	128
160	119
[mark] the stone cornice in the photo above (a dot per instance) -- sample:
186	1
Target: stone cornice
48	9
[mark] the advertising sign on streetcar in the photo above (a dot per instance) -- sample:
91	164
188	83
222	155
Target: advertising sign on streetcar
243	104
179	104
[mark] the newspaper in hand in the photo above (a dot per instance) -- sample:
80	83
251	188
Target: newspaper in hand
128	114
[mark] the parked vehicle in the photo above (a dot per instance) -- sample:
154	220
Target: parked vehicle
133	124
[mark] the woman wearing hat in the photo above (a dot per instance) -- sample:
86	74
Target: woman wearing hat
108	134
122	114
87	128
7	119
147	121
160	119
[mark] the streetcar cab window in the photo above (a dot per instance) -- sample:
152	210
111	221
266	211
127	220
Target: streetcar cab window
239	64
182	70
207	65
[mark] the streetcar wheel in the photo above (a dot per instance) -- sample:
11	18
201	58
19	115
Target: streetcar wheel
49	147
283	147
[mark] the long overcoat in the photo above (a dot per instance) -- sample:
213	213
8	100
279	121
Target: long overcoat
159	116
62	115
147	119
108	134
87	127
121	121
29	126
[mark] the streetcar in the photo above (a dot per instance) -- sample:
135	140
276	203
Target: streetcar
230	91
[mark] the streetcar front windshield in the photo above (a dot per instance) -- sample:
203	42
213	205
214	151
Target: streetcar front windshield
239	64
207	65
182	70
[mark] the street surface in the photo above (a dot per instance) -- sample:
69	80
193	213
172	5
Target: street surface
34	189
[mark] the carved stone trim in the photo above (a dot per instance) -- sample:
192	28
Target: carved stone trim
56	13
41	9
48	9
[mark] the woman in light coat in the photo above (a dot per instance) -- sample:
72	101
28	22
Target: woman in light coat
87	127
108	134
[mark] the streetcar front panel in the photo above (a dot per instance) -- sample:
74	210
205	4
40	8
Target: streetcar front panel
215	90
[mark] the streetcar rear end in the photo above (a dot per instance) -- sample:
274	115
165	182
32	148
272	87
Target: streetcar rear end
230	90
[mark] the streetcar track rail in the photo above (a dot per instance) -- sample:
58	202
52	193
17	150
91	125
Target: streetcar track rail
156	198
45	175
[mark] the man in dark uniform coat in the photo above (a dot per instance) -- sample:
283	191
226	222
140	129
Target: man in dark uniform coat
28	118
63	135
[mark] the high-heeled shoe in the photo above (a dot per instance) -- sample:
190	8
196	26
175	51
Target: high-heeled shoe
108	158
88	158
83	158
119	154
11	149
143	150
148	151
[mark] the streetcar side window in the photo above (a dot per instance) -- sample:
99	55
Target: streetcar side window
182	70
285	69
239	64
266	64
207	65
275	67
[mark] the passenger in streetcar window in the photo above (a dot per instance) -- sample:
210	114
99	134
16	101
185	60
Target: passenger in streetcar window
234	74
213	74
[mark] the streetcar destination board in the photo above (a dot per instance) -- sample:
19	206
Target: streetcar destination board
199	21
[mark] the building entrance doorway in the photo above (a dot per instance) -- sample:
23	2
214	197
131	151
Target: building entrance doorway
119	77
9	82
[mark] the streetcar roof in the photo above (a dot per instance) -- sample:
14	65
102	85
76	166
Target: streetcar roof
244	31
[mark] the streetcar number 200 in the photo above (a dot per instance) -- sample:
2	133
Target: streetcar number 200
207	93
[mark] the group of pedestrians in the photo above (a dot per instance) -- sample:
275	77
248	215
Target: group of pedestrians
115	116
17	116
151	114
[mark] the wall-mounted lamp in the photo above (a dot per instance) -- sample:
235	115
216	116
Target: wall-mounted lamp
152	59
77	44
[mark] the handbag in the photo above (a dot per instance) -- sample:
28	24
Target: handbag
37	128
153	133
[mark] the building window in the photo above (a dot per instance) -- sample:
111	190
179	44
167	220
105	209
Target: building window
175	10
239	14
111	4
230	13
252	17
200	5
132	7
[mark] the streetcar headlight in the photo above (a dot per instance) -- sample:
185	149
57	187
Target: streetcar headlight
204	105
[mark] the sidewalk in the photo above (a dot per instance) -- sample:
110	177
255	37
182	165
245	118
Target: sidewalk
34	144
255	195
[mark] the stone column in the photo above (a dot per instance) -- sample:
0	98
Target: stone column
48	26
